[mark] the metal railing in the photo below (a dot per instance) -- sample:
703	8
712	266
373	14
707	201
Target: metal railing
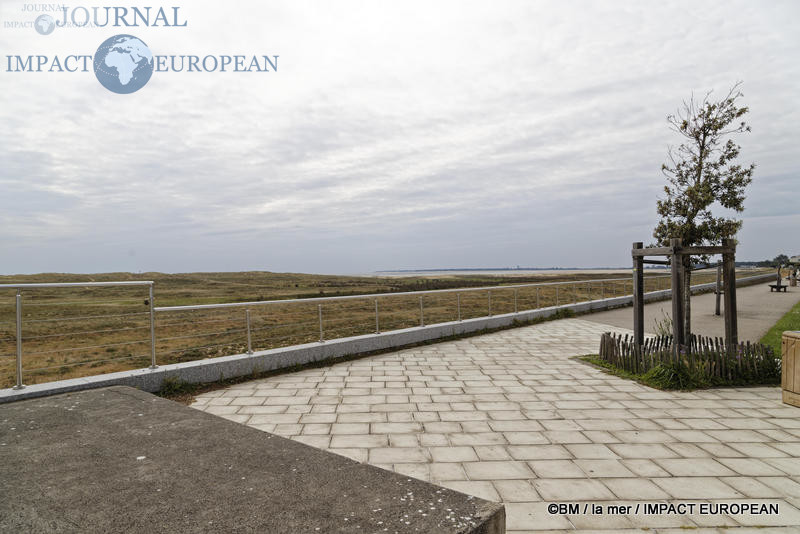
546	294
19	318
376	296
214	335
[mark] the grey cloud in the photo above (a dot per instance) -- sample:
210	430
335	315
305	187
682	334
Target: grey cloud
390	141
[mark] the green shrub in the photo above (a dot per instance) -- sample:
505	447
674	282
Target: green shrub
675	376
172	386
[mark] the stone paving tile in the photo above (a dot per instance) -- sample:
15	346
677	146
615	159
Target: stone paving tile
771	450
642	450
634	488
497	470
572	489
509	416
751	487
399	455
644	468
533	516
453	454
516	490
784	485
447	471
556	469
484	490
750	467
790	466
603	468
536	452
596	451
493	452
689	450
694	467
696	488
604	522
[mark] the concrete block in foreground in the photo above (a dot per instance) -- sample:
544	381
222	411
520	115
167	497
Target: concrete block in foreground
122	460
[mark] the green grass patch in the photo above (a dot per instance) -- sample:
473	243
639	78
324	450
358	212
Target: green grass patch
675	376
790	321
663	376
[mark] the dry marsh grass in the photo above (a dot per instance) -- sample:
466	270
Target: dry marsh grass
69	333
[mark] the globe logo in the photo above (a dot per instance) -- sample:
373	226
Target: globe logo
123	64
44	24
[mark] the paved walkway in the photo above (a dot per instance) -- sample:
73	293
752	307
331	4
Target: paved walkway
510	417
757	308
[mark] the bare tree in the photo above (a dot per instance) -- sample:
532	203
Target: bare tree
702	175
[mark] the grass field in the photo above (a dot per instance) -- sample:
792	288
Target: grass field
77	332
790	321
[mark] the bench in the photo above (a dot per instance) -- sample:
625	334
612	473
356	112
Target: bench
777	287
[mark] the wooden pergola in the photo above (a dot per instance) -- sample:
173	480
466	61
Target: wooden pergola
676	253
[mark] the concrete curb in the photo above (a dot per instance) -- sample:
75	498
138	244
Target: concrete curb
213	369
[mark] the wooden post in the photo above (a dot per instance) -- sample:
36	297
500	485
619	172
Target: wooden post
719	288
638	296
677	295
729	272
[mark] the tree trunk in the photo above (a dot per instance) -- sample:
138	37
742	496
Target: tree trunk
687	301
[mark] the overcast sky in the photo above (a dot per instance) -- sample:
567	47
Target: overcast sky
395	135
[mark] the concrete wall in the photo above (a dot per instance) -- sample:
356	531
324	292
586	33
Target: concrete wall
213	369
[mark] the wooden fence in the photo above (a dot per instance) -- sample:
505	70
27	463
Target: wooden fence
706	355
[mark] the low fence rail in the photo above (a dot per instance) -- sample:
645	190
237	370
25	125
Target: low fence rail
708	356
105	327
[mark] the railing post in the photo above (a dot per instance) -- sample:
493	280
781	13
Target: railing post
249	337
490	302
729	272
589	291
515	302
458	305
377	320
321	332
556	295
152	331
718	291
637	285
19	340
602	291
676	263
575	293
421	313
537	297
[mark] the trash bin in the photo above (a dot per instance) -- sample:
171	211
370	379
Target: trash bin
790	370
